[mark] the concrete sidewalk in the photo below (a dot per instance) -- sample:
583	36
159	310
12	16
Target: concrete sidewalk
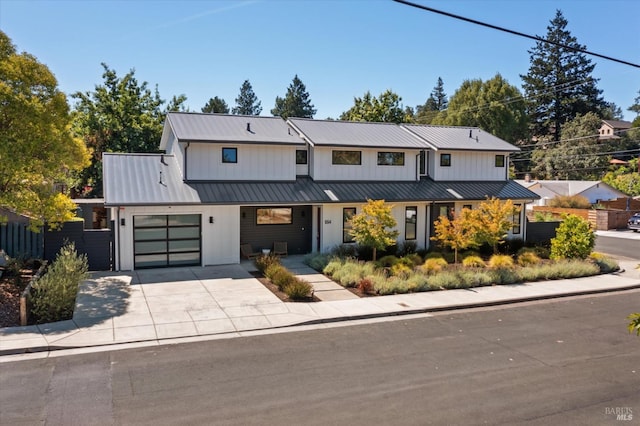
225	301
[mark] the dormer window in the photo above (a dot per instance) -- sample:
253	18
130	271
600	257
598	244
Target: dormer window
230	155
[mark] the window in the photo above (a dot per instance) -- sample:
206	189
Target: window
274	216
301	156
229	155
423	163
445	160
499	160
347	214
353	158
391	159
410	220
516	219
467	206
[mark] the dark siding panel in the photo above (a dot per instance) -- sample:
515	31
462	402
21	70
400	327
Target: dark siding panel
297	234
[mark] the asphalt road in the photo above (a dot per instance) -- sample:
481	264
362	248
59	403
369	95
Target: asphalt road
628	247
567	361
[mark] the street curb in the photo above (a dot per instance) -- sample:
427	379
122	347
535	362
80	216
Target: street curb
346	318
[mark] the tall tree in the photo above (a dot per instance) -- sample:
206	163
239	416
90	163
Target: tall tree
385	108
636	108
494	105
578	156
247	102
216	105
296	102
37	148
559	84
436	102
120	115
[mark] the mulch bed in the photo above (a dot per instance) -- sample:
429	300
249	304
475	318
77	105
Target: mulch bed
11	288
274	289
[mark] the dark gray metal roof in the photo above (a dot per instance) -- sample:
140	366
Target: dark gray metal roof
355	134
231	128
456	138
134	179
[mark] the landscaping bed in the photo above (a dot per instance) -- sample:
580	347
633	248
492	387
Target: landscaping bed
13	281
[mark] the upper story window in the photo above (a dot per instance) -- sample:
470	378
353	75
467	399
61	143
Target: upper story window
390	158
352	158
301	156
499	160
229	155
445	160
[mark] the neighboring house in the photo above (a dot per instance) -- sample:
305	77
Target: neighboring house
594	191
611	129
227	180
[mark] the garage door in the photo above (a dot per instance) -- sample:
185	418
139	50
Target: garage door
166	240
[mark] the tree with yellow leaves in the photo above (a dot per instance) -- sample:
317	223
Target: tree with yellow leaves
459	233
375	226
494	219
37	149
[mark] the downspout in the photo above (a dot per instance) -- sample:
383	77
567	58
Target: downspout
118	236
186	148
418	167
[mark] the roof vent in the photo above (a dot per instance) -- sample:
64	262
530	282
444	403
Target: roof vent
162	160
161	182
470	133
248	127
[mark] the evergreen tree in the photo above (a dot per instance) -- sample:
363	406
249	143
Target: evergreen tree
296	102
247	102
216	105
636	108
436	102
559	84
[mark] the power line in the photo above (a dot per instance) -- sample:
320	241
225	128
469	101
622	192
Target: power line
518	33
593	154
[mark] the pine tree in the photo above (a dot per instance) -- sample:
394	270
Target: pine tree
436	102
247	102
296	102
559	84
216	105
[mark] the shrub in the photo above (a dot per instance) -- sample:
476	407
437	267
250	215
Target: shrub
605	263
500	261
528	258
53	296
444	280
473	262
283	279
412	260
350	272
400	270
387	261
574	239
365	285
505	276
407	247
434	255
475	278
262	262
298	289
433	265
344	251
317	261
543	217
333	265
272	269
417	281
570	202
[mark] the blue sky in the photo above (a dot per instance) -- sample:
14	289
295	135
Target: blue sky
339	49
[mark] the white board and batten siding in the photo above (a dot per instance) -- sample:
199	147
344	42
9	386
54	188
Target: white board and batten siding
220	240
254	162
468	166
369	170
332	225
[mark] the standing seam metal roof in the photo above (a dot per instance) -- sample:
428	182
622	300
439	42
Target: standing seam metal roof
459	138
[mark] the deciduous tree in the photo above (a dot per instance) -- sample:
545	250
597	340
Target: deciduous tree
559	84
247	102
385	108
119	115
37	148
459	233
493	105
296	103
375	226
494	219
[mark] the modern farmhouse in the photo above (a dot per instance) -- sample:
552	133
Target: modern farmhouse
229	186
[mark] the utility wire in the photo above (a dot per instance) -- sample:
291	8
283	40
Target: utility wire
518	33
